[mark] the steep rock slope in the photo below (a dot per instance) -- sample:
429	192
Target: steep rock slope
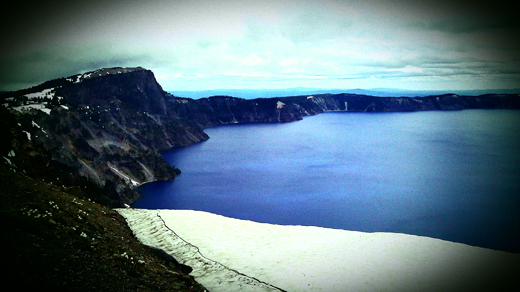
219	110
54	240
107	126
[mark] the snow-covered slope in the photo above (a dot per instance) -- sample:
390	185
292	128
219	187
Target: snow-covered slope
150	228
303	258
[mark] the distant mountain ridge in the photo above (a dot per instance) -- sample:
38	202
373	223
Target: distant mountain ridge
388	92
103	130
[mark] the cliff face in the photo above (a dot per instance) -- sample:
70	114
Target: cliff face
218	110
104	129
106	126
311	105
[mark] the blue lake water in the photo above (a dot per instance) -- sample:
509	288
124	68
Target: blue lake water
453	175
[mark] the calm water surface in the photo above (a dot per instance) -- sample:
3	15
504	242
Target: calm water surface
453	175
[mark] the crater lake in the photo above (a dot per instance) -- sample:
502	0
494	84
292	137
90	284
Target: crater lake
452	175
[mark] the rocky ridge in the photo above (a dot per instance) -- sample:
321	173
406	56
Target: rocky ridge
103	130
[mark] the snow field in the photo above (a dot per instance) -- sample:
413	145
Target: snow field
306	258
150	229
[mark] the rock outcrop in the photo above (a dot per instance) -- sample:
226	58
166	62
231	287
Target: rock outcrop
106	126
104	130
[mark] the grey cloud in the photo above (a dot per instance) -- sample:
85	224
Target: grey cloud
33	68
491	25
31	26
311	22
469	17
312	27
460	25
52	40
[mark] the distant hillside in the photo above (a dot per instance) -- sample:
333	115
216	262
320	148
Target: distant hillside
387	92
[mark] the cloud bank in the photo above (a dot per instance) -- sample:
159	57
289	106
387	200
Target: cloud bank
198	45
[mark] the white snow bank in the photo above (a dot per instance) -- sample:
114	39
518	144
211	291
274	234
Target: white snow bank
150	229
46	93
78	78
46	110
303	258
8	160
36	106
28	135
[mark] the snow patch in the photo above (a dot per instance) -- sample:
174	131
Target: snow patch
78	78
46	93
74	79
280	104
28	135
97	73
8	160
307	258
35	101
46	110
38	126
89	171
147	172
157	120
149	227
37	106
124	176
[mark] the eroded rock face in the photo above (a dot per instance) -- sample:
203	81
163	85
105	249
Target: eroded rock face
218	110
107	126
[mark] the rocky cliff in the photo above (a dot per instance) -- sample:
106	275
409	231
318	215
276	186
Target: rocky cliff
103	130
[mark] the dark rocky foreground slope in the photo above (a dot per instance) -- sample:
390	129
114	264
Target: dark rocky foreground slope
54	240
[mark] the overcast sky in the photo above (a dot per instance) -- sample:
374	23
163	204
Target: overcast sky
201	44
